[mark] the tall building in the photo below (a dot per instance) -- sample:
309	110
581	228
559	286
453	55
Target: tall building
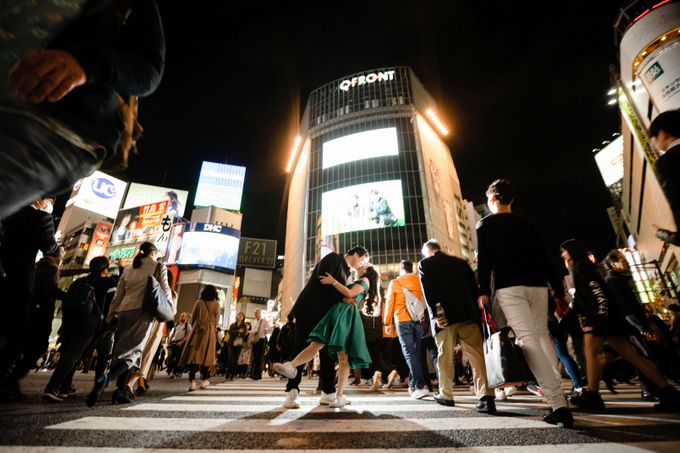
371	167
648	79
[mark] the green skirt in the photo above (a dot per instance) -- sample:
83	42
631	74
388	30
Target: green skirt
341	330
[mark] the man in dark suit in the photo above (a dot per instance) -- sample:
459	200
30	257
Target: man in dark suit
664	133
311	305
450	290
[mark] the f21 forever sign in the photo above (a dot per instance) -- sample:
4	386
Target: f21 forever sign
257	253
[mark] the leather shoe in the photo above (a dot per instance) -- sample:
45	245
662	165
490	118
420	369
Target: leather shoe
443	401
486	405
560	417
671	237
121	396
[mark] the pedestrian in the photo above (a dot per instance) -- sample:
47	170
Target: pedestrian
178	338
285	343
237	338
664	134
450	291
273	355
245	356
315	300
64	118
134	323
24	233
512	250
259	340
340	333
604	322
199	351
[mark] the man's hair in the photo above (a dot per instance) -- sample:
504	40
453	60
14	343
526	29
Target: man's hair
407	266
432	244
503	190
98	264
358	249
674	307
668	121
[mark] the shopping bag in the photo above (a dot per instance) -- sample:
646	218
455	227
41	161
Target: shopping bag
155	302
504	360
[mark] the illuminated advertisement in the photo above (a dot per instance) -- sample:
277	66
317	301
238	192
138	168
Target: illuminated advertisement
362	145
209	245
98	193
362	207
220	185
150	222
100	239
141	194
610	161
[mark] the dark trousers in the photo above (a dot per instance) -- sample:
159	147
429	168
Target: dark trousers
232	360
327	364
77	334
257	359
173	360
17	310
35	344
193	368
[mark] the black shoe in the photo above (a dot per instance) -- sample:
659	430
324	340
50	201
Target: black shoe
560	417
669	400
121	396
99	385
671	237
587	399
486	405
10	391
52	395
68	392
646	396
443	401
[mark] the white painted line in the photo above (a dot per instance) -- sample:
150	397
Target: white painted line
303	398
296	425
373	408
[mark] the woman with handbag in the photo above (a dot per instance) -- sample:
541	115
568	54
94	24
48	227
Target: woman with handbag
200	349
245	356
237	336
134	322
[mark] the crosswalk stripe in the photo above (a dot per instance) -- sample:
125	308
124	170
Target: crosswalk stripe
279	399
297	425
373	408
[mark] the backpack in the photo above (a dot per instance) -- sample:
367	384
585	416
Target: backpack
80	298
414	306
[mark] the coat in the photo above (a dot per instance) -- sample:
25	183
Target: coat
200	347
132	286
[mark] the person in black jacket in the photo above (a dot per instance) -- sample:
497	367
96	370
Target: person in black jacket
63	119
450	290
604	321
311	305
664	133
285	343
25	232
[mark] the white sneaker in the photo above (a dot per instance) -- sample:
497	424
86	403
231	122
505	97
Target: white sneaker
327	398
205	384
291	401
500	394
286	369
391	377
341	401
509	391
411	390
377	377
420	393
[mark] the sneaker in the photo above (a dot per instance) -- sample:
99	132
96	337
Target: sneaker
339	402
391	377
560	417
52	395
205	384
443	401
327	398
375	384
100	384
500	394
509	391
286	369
486	405
192	386
411	390
420	393
587	399
535	389
291	401
68	392
355	381
668	236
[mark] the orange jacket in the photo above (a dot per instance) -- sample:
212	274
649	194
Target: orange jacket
395	302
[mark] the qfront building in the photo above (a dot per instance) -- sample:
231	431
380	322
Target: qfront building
370	167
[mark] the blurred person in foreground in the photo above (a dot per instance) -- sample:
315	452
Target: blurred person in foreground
664	132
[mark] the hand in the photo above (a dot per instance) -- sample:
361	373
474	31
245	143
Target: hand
483	301
561	307
350	300
441	322
389	330
46	75
327	279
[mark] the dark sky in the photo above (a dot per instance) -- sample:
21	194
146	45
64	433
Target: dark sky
525	98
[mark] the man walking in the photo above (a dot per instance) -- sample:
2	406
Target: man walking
511	249
259	331
665	136
311	305
450	290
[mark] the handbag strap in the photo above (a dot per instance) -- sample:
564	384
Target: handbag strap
157	272
488	326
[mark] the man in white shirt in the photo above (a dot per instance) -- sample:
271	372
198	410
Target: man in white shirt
258	333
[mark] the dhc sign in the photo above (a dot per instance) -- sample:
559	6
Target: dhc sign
373	77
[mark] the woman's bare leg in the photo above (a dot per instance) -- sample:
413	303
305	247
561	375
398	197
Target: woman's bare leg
343	373
592	346
646	366
307	354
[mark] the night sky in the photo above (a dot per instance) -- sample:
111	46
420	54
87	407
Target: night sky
525	99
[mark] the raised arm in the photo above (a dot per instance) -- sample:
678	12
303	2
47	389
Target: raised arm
354	291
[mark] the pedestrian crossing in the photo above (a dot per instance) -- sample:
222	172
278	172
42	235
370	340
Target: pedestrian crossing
247	416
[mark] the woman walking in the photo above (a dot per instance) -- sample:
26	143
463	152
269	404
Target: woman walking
237	337
134	323
199	351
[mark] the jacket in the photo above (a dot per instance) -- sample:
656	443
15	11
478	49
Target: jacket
132	287
45	286
395	301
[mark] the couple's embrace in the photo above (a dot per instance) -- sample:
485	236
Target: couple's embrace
327	319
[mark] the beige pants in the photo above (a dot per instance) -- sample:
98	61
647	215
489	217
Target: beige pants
471	341
148	353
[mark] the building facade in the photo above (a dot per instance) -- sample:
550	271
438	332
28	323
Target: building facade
372	169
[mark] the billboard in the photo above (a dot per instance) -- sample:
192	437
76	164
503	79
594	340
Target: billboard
98	193
150	222
362	145
257	253
100	239
610	161
257	283
141	194
209	245
220	185
362	207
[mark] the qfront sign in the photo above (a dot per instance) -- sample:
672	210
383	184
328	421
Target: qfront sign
373	77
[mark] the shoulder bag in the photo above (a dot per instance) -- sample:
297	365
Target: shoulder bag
155	301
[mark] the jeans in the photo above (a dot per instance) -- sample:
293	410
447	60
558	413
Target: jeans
34	161
568	361
410	337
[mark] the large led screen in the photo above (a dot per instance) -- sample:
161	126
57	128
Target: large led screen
220	185
362	145
139	194
208	249
362	207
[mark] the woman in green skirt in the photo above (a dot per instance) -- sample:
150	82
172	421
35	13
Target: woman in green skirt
341	331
